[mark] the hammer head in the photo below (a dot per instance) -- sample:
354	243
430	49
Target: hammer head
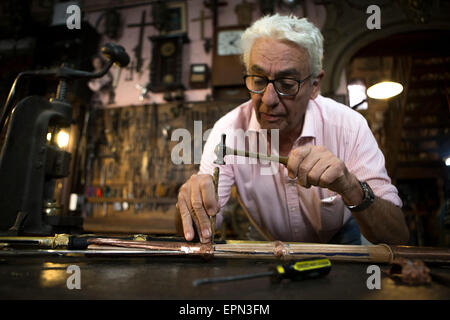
221	151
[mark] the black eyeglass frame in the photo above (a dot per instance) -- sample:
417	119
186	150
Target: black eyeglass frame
299	82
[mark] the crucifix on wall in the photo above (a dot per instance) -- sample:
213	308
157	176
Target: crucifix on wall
202	19
214	5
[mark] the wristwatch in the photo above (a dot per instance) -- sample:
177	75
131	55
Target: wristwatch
369	197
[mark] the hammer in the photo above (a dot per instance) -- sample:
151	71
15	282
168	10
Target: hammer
220	153
222	150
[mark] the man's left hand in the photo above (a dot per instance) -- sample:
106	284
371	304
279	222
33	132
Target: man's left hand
317	166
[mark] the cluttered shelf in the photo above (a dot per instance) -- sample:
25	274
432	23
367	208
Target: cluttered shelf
133	200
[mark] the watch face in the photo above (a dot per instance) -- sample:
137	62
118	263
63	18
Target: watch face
228	42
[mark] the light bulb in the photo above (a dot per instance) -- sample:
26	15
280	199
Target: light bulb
62	139
447	161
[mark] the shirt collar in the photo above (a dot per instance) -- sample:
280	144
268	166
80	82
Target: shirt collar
309	128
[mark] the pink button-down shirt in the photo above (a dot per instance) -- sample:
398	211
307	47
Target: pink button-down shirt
279	207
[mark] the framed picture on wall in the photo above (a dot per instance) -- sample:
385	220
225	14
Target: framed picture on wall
177	17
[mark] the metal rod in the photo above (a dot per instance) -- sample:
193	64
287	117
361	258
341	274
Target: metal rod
58	241
255	155
216	189
231	278
380	253
92	252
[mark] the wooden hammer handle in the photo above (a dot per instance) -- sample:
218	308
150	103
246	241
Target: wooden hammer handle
280	159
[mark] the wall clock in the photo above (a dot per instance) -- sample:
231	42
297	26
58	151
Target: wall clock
228	42
227	68
166	66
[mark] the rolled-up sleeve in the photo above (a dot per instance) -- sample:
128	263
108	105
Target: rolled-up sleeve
367	163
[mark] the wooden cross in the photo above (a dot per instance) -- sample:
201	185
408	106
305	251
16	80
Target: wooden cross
202	20
213	5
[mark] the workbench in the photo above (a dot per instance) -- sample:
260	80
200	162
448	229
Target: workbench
170	278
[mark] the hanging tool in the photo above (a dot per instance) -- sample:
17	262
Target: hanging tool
138	48
294	270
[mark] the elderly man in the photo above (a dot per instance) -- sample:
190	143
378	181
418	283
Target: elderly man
335	184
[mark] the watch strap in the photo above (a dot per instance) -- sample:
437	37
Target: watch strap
369	197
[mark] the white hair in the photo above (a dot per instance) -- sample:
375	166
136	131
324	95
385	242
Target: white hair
291	28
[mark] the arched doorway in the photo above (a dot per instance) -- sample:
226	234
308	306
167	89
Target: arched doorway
413	129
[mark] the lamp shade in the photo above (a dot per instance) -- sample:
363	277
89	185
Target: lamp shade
384	90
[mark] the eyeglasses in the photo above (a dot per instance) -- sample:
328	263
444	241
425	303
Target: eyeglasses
283	86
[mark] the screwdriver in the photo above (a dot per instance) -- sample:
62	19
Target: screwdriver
294	270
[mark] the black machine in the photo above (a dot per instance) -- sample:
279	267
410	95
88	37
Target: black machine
29	164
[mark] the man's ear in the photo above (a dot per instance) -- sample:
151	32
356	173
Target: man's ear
316	85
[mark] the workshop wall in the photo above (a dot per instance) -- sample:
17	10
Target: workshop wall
127	90
122	123
130	182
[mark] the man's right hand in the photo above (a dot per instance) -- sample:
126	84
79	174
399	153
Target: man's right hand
196	204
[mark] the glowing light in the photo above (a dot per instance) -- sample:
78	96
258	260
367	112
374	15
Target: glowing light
447	161
62	139
356	94
53	274
384	90
49	136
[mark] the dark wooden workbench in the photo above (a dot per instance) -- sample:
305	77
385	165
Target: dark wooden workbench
171	278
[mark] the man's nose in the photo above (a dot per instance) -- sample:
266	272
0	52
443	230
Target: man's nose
270	96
